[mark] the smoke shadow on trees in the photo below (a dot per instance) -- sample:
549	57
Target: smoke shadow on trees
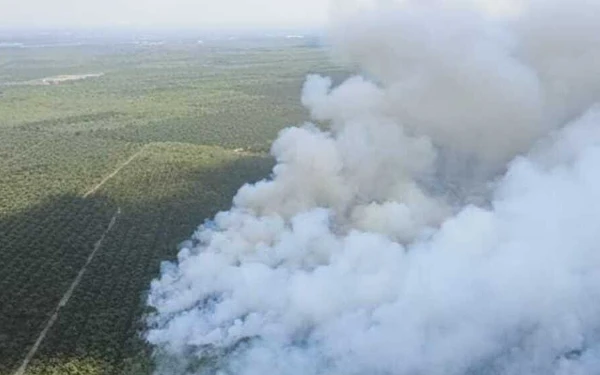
43	248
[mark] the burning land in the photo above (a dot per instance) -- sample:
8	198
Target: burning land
418	195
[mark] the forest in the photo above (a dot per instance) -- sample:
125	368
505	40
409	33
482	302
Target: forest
110	156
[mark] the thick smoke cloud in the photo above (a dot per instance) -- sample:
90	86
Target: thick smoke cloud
362	255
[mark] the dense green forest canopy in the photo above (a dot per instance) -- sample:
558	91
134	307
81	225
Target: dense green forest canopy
161	132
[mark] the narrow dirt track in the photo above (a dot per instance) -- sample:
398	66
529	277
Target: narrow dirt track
114	173
65	298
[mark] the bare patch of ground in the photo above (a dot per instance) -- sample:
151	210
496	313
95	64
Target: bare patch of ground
54	80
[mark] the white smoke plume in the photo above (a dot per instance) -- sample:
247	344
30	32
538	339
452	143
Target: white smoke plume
361	254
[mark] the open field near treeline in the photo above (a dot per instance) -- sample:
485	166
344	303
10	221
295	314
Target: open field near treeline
152	138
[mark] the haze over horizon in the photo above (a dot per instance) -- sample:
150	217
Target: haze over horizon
203	14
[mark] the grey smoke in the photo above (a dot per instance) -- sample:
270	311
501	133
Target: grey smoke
354	258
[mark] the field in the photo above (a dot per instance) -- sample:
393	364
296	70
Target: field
110	155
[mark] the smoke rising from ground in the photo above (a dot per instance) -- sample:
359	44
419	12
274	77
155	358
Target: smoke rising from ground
361	254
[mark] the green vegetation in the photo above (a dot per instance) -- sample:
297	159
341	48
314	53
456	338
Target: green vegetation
166	136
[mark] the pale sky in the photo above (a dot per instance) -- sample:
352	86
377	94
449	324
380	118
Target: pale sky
163	13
